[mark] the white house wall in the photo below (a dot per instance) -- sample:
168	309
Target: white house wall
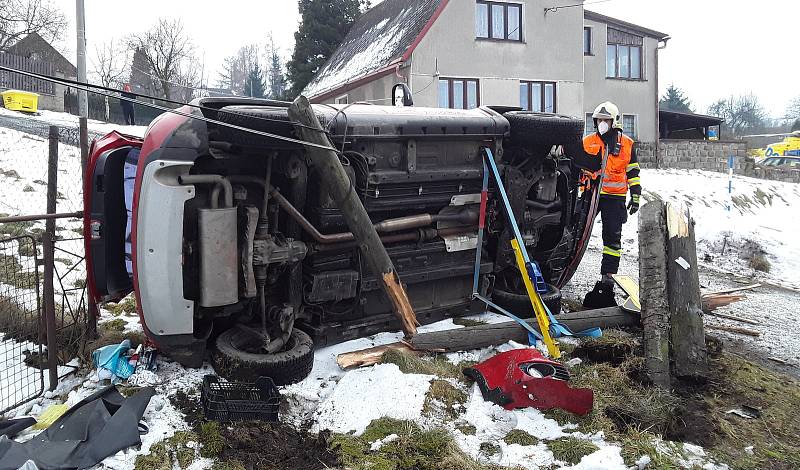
545	54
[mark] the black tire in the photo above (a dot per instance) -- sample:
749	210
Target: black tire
520	304
285	367
538	132
260	118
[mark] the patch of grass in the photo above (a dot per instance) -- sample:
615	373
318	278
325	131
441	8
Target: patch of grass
15	229
774	435
759	262
28	189
229	465
743	202
78	230
432	449
443	394
117	324
211	440
125	306
13	273
434	365
636	443
27	247
489	448
466	428
764	198
9	173
165	455
79	283
64	261
518	436
570	449
40	182
468	322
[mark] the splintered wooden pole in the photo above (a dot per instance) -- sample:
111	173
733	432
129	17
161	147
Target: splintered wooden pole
653	292
358	221
687	334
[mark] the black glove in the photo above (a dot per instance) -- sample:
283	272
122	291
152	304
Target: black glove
633	204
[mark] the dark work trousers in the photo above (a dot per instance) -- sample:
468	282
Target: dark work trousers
127	111
613	215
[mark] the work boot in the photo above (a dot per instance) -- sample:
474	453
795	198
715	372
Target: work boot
602	295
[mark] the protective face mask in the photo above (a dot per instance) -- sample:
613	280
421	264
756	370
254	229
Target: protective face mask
603	127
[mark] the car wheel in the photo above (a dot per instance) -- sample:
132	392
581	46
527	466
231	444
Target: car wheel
260	118
538	132
520	304
234	361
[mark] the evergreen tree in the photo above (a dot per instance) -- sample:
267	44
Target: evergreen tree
323	26
254	84
275	77
675	100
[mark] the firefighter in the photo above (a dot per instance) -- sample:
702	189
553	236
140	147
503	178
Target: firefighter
619	175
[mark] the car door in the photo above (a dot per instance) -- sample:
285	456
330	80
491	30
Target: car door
108	193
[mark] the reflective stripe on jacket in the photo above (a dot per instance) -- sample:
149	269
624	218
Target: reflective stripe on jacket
615	178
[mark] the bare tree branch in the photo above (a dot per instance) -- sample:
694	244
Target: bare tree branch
109	64
166	48
19	18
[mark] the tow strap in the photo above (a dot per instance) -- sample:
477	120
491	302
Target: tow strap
531	274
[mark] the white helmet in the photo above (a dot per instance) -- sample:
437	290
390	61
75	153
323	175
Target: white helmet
608	110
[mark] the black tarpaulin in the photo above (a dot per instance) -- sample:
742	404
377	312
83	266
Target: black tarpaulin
99	426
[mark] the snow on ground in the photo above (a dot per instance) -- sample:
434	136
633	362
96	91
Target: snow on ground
68	120
760	210
331	398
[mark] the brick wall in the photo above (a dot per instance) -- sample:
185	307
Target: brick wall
708	155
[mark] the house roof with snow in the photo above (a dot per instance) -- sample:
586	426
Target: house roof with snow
380	39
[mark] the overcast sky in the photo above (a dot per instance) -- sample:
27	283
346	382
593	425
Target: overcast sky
718	47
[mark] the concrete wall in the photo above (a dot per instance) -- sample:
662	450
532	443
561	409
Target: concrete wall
708	155
636	97
551	50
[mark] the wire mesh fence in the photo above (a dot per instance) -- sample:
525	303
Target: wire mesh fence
21	358
24	155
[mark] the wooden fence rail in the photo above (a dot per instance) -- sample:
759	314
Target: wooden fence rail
15	81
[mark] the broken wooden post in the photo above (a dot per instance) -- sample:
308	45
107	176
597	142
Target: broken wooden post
358	221
674	337
687	334
653	292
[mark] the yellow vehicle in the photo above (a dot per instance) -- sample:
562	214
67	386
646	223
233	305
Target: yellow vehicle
788	147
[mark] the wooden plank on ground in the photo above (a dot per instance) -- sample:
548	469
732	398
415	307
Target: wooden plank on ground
731	291
734	318
482	336
370	356
733	329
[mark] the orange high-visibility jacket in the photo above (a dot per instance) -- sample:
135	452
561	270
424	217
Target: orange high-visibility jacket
622	170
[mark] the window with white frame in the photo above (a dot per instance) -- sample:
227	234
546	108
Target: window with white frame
344	99
624	55
537	96
500	21
629	125
459	93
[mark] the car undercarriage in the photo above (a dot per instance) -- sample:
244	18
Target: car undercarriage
238	246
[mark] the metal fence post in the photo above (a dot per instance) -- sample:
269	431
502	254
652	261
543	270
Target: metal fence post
48	240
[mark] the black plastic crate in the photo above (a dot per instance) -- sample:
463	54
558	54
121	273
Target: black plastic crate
237	401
